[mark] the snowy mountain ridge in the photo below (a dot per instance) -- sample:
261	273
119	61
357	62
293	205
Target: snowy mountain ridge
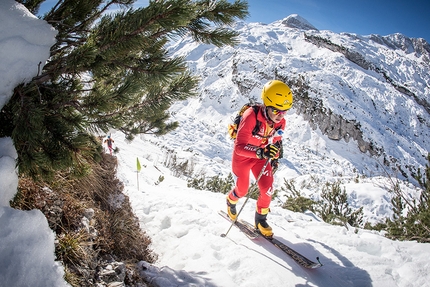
397	41
370	90
416	46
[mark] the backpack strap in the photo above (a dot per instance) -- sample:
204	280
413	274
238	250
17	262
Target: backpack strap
256	129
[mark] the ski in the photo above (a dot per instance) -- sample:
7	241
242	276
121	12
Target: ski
249	230
245	227
296	256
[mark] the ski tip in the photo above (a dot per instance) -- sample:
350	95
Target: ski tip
316	264
319	264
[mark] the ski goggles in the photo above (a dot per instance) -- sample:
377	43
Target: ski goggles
278	112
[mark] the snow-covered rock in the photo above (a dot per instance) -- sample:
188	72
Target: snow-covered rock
298	22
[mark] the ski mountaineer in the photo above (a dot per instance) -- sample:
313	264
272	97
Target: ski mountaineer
109	142
251	152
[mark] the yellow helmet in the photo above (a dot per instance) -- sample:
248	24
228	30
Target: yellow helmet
277	94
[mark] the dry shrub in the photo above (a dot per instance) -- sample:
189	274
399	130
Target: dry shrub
118	227
73	248
130	242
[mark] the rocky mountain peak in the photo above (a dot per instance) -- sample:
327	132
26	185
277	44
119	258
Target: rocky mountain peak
298	22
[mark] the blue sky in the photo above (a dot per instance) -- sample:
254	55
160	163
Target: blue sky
363	17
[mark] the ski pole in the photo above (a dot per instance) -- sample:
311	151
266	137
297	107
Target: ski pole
247	197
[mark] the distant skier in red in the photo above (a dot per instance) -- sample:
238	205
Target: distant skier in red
109	141
253	148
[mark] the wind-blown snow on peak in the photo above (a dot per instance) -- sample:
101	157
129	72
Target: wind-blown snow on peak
298	22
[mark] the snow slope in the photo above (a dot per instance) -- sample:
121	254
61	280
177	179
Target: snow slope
186	229
184	223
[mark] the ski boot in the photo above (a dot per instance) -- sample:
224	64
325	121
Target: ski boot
261	223
231	208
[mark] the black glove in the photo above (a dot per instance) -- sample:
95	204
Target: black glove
268	152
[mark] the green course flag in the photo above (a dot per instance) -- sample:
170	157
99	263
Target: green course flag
138	165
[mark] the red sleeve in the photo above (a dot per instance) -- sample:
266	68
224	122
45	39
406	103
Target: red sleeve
242	144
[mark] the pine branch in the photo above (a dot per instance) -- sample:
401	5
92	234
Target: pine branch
108	72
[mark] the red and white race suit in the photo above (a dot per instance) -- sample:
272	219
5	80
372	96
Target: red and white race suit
245	159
